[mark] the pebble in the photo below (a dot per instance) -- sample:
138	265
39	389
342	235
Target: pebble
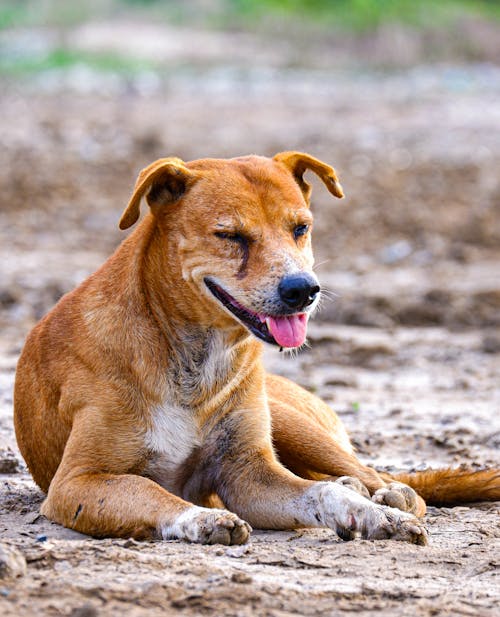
8	462
241	577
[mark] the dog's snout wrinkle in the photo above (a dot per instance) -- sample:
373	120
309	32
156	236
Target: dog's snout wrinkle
298	291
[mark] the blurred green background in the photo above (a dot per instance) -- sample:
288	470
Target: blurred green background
458	30
357	15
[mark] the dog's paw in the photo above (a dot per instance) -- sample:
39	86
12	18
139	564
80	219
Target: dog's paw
208	526
397	495
354	484
351	515
390	523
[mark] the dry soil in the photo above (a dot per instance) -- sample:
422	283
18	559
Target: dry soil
406	351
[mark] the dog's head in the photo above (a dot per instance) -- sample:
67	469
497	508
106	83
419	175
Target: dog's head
239	230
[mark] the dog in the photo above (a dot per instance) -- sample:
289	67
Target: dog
141	404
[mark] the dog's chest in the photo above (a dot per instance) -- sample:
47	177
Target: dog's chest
174	430
171	437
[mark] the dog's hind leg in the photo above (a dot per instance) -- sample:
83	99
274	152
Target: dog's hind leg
310	440
310	451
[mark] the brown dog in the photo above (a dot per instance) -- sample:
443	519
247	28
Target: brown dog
142	392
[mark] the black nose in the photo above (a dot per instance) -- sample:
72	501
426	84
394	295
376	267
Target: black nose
298	290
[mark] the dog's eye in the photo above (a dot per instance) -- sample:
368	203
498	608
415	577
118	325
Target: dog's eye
233	237
300	230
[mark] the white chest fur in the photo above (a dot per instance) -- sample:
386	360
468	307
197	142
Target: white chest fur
173	431
170	439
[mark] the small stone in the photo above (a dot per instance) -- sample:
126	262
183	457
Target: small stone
8	462
32	517
12	562
241	577
41	538
237	551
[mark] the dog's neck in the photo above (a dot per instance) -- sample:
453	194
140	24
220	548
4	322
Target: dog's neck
205	357
203	362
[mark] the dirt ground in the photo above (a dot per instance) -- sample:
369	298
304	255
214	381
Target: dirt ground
407	352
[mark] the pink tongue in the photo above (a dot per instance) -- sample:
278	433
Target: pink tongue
288	331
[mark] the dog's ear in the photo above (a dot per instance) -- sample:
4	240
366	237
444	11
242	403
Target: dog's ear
299	162
164	181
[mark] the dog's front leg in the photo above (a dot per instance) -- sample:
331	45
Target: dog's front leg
260	490
94	492
127	505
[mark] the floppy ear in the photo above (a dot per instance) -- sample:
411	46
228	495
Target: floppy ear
299	162
164	181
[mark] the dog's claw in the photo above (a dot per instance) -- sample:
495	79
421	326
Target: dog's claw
225	529
209	526
398	526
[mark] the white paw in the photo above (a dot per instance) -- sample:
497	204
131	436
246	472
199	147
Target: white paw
351	514
391	523
208	526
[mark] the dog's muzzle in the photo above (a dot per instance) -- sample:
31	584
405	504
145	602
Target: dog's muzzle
287	329
298	291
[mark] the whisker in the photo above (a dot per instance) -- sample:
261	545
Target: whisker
293	352
321	263
327	290
329	295
320	305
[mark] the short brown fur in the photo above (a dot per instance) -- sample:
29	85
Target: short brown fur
139	394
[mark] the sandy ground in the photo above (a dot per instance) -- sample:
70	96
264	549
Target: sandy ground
407	353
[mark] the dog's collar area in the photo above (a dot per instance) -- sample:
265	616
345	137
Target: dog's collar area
251	320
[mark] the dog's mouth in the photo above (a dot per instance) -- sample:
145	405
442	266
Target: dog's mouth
283	330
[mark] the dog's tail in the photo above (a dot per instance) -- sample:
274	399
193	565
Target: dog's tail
440	487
